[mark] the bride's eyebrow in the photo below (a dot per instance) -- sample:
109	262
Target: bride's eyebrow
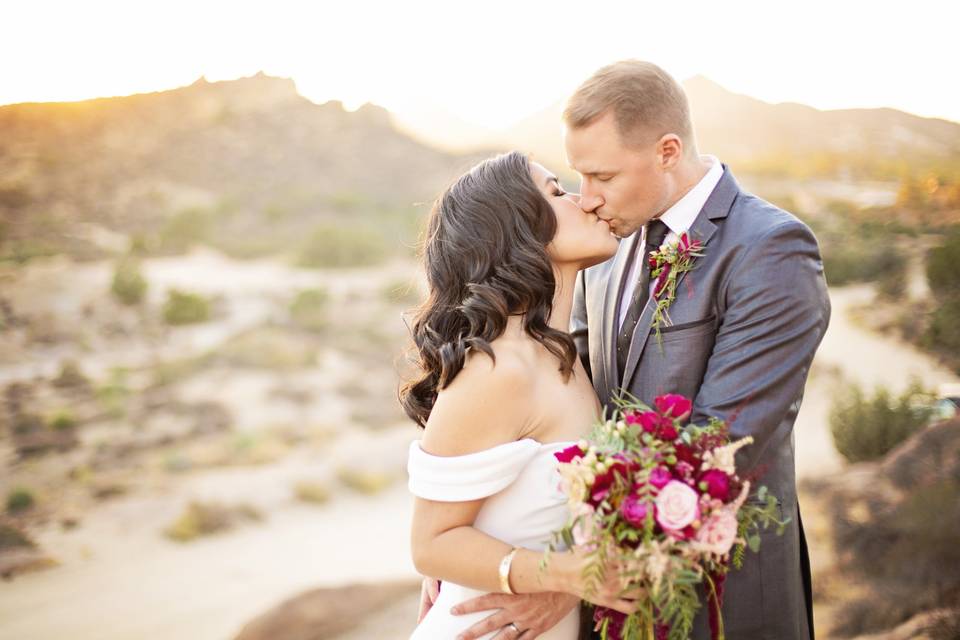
551	179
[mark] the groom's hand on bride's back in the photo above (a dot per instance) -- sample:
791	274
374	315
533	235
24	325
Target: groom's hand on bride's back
532	613
428	595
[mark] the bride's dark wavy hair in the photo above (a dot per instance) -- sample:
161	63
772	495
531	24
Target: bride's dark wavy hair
484	253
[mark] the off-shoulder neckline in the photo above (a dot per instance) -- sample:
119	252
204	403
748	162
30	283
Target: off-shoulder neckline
498	446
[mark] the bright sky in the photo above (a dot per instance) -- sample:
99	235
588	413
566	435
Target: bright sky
489	62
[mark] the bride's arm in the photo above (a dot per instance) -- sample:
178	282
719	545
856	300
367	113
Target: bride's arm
484	406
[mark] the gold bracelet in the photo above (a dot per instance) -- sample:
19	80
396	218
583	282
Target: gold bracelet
505	571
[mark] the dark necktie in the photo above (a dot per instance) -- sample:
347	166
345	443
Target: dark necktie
656	232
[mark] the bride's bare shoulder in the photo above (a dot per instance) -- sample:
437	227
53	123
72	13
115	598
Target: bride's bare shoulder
486	404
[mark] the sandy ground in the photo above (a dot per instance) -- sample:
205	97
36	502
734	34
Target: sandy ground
119	579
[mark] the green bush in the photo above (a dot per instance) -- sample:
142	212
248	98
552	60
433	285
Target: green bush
13	538
62	420
309	309
129	285
342	246
943	332
70	376
943	267
113	394
868	428
19	499
185	308
205	518
185	228
848	263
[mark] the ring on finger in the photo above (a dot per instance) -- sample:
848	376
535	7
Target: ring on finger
515	628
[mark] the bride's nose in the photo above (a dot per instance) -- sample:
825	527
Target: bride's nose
576	197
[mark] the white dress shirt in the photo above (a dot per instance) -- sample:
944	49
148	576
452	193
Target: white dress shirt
678	219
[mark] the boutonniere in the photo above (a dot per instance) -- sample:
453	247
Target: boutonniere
666	265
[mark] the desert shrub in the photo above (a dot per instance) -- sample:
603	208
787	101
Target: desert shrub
943	267
185	308
62	420
19	499
845	263
309	309
185	228
341	245
312	492
205	518
13	538
128	285
893	284
114	393
943	332
868	428
364	481
70	376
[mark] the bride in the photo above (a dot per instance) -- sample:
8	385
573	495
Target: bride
500	390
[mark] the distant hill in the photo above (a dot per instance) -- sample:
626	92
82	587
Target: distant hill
752	135
241	148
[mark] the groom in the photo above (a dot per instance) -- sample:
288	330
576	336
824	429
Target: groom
743	327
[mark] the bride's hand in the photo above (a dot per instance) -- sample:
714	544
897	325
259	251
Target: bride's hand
531	614
611	591
429	591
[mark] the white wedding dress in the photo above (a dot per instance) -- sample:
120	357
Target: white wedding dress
524	506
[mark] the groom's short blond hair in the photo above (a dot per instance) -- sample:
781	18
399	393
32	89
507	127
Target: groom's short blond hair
647	102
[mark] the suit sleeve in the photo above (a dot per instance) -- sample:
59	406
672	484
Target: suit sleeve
777	311
578	321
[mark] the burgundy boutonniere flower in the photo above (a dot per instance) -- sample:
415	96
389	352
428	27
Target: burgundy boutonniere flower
666	265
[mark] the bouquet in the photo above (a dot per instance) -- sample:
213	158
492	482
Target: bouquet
663	502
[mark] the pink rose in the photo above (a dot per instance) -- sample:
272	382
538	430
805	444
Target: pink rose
634	510
584	532
677	505
718	532
718	483
673	405
570	453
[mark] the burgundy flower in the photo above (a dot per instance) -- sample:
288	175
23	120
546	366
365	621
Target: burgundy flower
718	483
603	482
662	280
667	432
615	626
570	453
649	421
673	405
684	243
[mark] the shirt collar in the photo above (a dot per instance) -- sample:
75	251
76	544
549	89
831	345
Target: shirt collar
681	215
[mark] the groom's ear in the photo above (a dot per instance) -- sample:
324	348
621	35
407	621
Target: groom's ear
669	151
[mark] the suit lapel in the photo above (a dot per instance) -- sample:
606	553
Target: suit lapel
610	324
717	206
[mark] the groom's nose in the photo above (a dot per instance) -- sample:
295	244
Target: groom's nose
590	203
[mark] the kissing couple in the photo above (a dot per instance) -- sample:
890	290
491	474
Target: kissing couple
541	311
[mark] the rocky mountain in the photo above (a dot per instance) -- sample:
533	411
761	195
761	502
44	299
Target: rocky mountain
789	139
238	147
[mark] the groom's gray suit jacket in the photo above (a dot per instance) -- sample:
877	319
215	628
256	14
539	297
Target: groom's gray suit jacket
746	323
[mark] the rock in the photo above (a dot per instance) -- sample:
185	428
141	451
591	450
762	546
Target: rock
321	614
